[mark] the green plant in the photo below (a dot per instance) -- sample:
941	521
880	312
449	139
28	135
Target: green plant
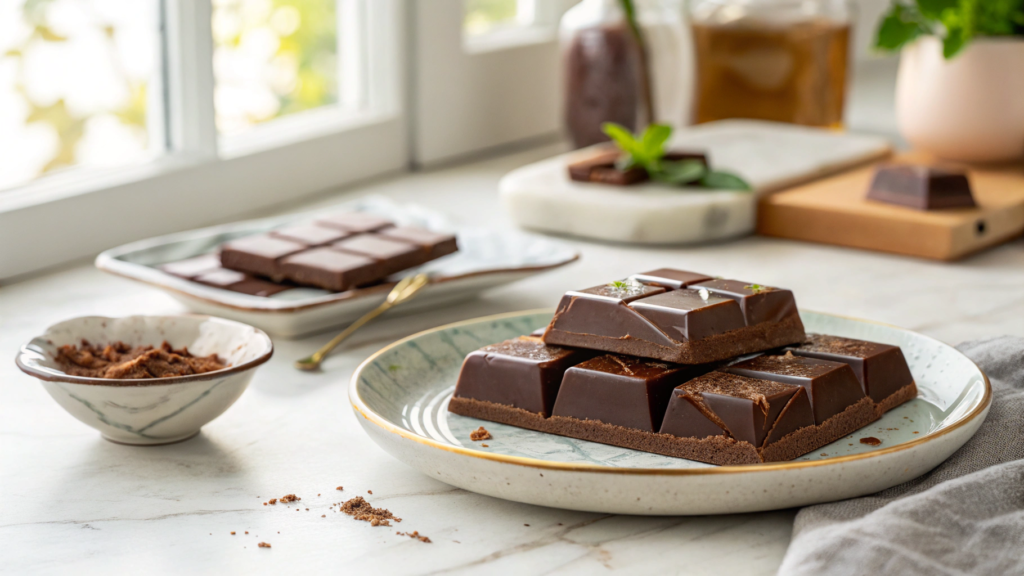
647	151
956	22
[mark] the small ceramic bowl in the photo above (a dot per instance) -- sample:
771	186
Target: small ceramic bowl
150	411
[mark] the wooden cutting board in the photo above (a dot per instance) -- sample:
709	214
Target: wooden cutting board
836	210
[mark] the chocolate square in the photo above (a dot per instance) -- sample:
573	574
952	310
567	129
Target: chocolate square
310	235
670	278
759	303
393	255
881	369
831	386
356	222
436	244
687	314
192	267
620	390
747	409
258	254
240	282
523	373
330	269
602	311
921	187
601	169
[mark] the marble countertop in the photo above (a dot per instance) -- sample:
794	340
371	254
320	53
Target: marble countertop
74	502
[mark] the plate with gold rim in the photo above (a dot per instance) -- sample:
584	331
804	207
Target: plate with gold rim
401	393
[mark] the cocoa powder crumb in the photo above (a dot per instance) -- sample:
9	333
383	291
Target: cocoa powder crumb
360	509
264	545
416	535
479	434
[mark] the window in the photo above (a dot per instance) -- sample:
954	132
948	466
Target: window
272	58
126	119
484	16
77	86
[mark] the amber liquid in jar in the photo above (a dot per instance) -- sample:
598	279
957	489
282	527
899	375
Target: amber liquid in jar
787	73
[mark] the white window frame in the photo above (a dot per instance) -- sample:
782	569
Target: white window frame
71	216
472	94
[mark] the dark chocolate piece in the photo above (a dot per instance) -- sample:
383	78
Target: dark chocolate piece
259	254
620	390
687	315
831	387
750	410
601	168
881	369
393	255
436	244
356	222
192	267
310	235
240	282
330	269
759	303
687	326
921	187
523	373
670	278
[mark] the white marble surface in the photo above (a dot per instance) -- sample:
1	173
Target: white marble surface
76	503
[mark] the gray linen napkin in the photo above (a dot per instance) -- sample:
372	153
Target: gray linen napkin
964	517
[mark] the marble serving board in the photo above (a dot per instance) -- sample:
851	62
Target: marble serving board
769	155
486	259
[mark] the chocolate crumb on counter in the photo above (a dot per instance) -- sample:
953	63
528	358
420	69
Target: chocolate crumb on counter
485	445
273	502
289	498
246	531
360	509
415	534
870	441
369	491
480	433
264	545
339	488
232	532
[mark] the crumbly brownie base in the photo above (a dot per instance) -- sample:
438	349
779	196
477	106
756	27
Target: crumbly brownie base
905	394
713	450
746	340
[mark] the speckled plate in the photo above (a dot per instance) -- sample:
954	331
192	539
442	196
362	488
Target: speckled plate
401	395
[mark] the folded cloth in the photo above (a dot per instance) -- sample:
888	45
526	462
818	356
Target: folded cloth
964	517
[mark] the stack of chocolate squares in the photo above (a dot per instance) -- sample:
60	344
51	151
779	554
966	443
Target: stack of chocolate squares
685	365
336	252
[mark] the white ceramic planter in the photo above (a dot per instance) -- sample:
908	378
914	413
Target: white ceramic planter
970	108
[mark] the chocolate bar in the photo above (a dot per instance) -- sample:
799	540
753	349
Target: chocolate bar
881	369
601	168
337	252
921	187
704	320
206	269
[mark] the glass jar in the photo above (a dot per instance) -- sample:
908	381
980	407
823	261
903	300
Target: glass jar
781	60
610	76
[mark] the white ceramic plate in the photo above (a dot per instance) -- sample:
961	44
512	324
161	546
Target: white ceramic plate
485	259
401	395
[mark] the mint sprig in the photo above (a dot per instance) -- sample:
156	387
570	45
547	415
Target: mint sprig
955	22
647	151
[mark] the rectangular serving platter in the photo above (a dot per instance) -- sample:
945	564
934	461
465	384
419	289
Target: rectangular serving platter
486	259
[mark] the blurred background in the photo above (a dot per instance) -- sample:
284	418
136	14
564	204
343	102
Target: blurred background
118	106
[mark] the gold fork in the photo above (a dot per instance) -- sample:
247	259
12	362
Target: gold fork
402	292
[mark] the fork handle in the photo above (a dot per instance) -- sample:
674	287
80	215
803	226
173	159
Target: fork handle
362	321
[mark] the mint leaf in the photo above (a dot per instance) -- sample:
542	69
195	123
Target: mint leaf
954	42
933	9
653	140
723	181
623	138
679	172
